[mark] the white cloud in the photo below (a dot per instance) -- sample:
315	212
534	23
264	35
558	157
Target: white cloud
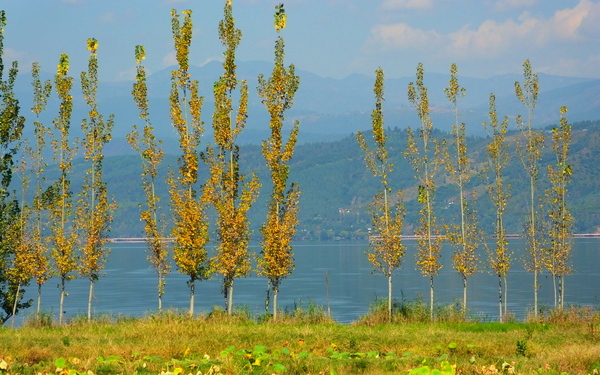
169	59
11	55
565	42
403	36
129	74
503	5
407	4
566	23
590	24
108	17
210	59
492	38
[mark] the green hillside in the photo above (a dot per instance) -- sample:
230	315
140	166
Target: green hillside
337	188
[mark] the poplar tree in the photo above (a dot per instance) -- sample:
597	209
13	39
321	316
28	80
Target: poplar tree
39	252
426	157
276	260
11	129
500	257
464	236
227	189
386	250
31	258
530	154
190	227
21	269
58	197
94	210
152	155
561	220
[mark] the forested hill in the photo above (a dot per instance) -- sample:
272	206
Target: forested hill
337	187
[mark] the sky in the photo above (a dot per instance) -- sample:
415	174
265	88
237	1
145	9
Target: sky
330	38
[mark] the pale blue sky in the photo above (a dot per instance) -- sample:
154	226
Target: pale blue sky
331	38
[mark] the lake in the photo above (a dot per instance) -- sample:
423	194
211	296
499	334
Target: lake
128	285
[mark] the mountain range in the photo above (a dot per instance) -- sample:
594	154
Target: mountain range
330	109
328	164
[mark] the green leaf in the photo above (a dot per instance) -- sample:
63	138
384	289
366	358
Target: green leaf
279	368
259	349
60	363
452	346
285	351
226	352
344	355
420	370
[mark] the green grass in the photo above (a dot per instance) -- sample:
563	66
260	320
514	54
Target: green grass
304	341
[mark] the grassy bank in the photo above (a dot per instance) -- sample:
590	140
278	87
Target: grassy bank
302	343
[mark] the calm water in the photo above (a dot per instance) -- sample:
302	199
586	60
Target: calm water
128	286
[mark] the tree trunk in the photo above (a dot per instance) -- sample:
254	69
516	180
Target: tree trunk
464	309
90	295
500	297
160	293
39	299
555	294
275	295
431	297
535	293
192	296
61	303
389	298
561	291
230	299
14	310
505	296
268	298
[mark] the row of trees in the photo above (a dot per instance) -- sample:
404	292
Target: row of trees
547	228
52	222
74	240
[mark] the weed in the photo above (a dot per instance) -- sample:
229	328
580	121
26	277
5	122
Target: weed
174	342
522	348
35	320
311	314
352	344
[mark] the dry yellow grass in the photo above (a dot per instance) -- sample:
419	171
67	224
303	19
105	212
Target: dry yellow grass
155	344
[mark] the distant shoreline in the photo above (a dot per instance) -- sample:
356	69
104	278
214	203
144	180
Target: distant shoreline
371	238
